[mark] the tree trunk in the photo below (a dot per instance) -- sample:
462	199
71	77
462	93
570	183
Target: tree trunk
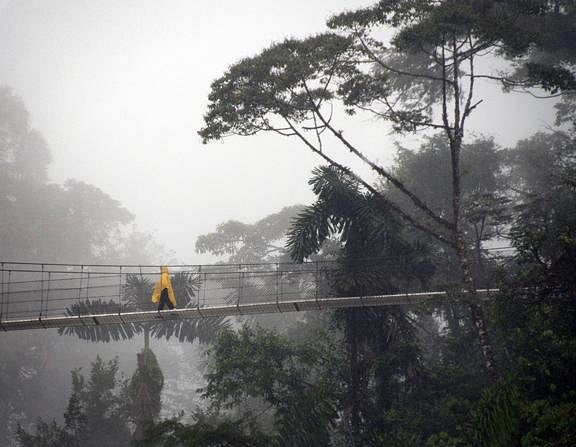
479	233
146	338
453	320
476	312
455	134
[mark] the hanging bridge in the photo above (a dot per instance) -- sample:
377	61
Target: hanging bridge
42	295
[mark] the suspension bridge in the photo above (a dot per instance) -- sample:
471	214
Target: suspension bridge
42	295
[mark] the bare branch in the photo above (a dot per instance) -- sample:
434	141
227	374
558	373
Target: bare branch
397	183
556	95
518	86
456	90
380	62
448	128
407	217
410	121
468	107
317	133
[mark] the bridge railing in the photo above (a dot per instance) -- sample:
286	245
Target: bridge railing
39	291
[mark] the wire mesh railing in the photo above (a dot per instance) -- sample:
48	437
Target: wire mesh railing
41	295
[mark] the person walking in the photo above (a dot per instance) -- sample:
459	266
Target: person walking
163	293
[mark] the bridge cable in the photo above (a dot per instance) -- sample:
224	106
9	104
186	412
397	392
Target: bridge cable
326	262
240	288
8	293
2	299
41	297
373	258
204	281
79	307
200	292
80	284
88	275
2	293
48	291
317	281
278	287
120	294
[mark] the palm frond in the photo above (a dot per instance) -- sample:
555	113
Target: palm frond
136	297
99	333
308	231
136	292
186	286
328	181
202	330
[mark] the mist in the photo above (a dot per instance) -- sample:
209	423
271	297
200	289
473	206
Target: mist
118	89
236	223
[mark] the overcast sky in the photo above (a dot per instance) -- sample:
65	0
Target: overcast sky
118	88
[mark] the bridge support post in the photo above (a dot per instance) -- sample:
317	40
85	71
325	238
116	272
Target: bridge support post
317	283
278	286
204	289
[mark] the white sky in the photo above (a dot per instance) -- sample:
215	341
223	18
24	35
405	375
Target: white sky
119	87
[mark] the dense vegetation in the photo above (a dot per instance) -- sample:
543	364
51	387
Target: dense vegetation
415	376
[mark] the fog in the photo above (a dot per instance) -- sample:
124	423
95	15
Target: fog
428	304
119	88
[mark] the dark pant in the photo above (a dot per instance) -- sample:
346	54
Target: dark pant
165	300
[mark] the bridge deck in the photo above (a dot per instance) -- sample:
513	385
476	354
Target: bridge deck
310	304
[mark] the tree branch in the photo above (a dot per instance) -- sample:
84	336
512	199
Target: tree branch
379	61
397	183
456	90
407	217
468	107
408	120
445	97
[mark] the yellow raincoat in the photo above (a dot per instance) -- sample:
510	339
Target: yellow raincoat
163	283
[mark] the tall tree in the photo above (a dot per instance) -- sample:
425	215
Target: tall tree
144	391
380	343
147	382
486	195
411	63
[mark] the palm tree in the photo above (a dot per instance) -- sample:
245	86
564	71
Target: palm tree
136	293
147	381
367	230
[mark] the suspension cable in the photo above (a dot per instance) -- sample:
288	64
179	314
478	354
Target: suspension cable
88	283
2	293
48	292
41	297
120	291
8	294
2	298
195	266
